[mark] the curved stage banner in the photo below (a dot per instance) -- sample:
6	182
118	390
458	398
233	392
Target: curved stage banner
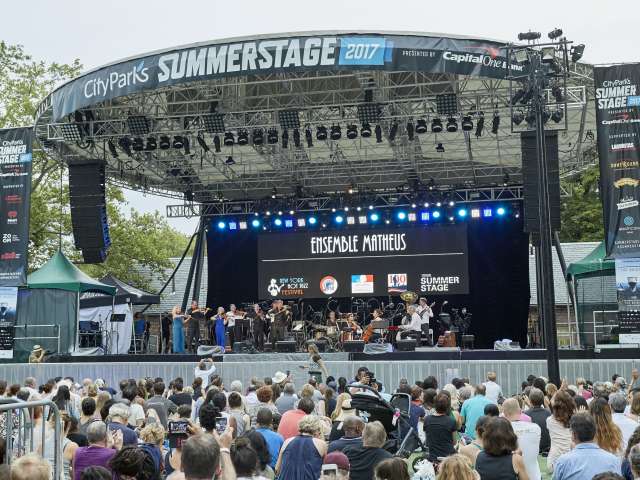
264	55
618	125
15	195
375	262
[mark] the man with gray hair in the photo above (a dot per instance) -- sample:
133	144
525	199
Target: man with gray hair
98	453
618	403
364	459
31	385
118	420
287	400
352	428
206	457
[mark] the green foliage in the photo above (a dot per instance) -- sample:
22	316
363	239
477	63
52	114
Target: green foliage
139	241
582	209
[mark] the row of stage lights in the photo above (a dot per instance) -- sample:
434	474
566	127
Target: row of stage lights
338	219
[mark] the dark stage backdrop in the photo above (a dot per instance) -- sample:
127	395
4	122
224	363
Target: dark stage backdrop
498	277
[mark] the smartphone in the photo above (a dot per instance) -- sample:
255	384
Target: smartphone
221	424
329	470
177	432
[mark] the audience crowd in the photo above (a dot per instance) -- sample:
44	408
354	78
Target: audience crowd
152	429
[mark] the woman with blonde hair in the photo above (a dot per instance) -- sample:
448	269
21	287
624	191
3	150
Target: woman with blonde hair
453	393
456	467
101	399
308	392
608	434
339	401
301	456
178	329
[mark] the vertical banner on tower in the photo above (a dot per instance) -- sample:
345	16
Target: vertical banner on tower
15	192
628	287
618	126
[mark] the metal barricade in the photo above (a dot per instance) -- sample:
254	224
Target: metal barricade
20	431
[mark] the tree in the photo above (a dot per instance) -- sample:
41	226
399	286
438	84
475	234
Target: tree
140	242
582	209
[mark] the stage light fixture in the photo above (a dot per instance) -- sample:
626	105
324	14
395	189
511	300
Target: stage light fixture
229	139
165	142
243	225
321	133
412	217
501	211
393	131
268	213
351	220
336	132
517	96
138	125
274	192
221	225
280	212
438	204
467	123
557	116
186	145
529	36
424	216
426	204
479	126
285	138
401	216
362	219
410	130
277	222
545	116
475	213
255	223
462	212
216	143
214	123
556	91
312	220
495	123
374	217
233	226
272	136
257	136
333	210
451	203
301	222
243	137
352	132
288	223
576	52
447	104
421	126
517	117
370	207
346	209
378	131
339	219
178	142
436	125
365	131
137	145
440	148
125	145
505	179
436	214
530	118
487	212
289	119
308	135
230	161
413	205
296	137
555	33
358	208
202	142
291	212
71	132
452	125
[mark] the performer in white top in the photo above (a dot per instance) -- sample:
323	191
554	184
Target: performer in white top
232	316
414	327
424	309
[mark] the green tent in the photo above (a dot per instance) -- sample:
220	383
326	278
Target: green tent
593	263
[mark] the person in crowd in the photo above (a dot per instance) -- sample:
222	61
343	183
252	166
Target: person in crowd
203	371
152	437
498	460
341	461
471	450
364	459
633	458
207	457
528	434
608	435
416	412
582	391
177	329
493	390
74	434
100	449
165	333
562	409
473	409
456	467
342	385
633	411
288	427
342	411
352	428
587	459
118	420
440	428
301	456
329	401
179	397
455	400
88	415
265	397
634	440
31	467
245	460
136	412
264	421
207	416
259	444
236	410
288	399
96	473
162	406
62	399
539	415
428	401
627	426
132	463
392	469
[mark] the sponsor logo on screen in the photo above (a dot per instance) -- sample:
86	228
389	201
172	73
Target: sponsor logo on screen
12	217
328	285
362	283
433	283
397	282
287	287
13	199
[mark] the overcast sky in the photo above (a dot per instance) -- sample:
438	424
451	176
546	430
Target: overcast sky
99	32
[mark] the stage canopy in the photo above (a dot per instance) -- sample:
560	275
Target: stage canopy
593	263
125	293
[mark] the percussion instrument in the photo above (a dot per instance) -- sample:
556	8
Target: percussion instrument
409	297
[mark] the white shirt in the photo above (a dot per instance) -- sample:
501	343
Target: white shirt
528	434
425	312
493	391
415	324
205	374
231	319
626	425
136	413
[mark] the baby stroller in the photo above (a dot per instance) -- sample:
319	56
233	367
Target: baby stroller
402	439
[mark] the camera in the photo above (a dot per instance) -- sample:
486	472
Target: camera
221	424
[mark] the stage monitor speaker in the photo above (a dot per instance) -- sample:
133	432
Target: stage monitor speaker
288	346
243	347
209	350
406	345
321	344
468	341
354	346
89	210
531	182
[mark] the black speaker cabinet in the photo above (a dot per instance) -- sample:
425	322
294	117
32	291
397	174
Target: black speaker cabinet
406	345
288	346
321	344
242	347
354	346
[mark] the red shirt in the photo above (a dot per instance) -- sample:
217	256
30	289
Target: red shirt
289	423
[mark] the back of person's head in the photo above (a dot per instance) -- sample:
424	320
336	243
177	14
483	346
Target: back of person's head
264	418
200	457
30	467
96	473
132	461
184	411
536	397
491	376
129	393
618	402
244	457
430	382
259	444
442	403
97	433
120	411
352	426
153	433
429	397
583	427
88	406
104	411
264	394
539	383
374	435
499	438
310	424
306	405
207	415
456	467
480	389
511	409
563	407
491	410
481	423
219	400
235	400
634	459
178	384
608	476
235	386
158	388
392	469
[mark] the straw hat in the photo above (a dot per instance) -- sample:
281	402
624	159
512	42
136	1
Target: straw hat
37	348
279	377
346	411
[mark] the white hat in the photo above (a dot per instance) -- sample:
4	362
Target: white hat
279	377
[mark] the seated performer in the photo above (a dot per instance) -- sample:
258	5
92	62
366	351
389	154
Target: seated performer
414	327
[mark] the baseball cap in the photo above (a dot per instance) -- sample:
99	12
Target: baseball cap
339	459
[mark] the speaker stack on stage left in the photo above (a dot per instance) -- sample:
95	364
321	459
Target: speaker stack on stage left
89	210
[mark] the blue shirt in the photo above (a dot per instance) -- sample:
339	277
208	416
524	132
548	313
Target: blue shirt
584	462
274	443
472	410
129	437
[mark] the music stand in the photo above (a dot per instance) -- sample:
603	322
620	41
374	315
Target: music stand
118	318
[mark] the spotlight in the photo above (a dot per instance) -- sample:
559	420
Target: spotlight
243	225
352	132
339	219
255	223
296	137
440	148
462	213
267	213
165	142
125	145
272	136
555	33
410	130
475	213
72	132
527	97
393	130
257	136
112	148
505	179
285	138
312	220
546	116
374	217
229	139
277	222
288	223
529	36
436	214
202	143
321	133
487	212
351	189
517	117
137	145
517	96
178	142
576	52
479	126
230	161
365	131
495	123
243	137
557	116
308	135
452	125
530	117
467	123
424	216
301	222
401	216
362	219
436	125
421	126
451	203
233	226
274	193
378	134
556	91
221	225
291	212
216	143
501	211
336	132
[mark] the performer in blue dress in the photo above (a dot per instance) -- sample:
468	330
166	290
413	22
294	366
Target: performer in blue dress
220	321
178	329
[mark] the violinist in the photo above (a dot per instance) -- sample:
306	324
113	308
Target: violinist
259	327
195	317
279	319
220	322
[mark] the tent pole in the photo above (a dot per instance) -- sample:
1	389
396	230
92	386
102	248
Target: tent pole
77	345
133	331
194	259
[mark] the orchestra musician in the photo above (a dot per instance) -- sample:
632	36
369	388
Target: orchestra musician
259	327
220	322
424	309
279	318
370	335
355	329
331	319
195	317
210	326
234	333
414	327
